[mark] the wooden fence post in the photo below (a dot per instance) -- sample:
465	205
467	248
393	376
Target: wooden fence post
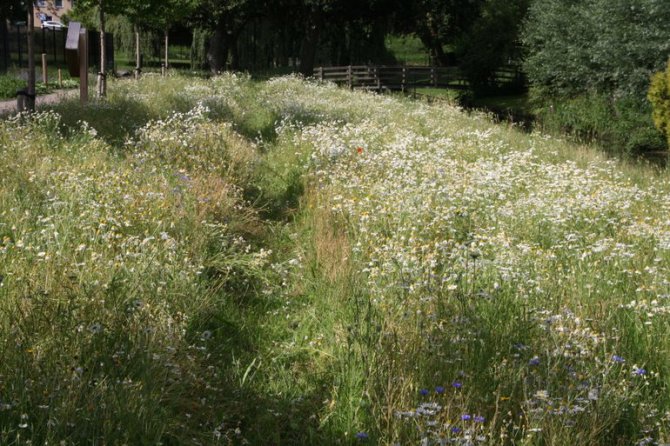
433	77
350	79
321	74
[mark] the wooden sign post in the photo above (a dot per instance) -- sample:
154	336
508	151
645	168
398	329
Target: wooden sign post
76	54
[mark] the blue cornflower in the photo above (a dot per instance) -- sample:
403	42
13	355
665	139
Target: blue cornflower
534	361
639	372
455	430
479	419
457	384
617	358
362	436
423	392
466	417
439	389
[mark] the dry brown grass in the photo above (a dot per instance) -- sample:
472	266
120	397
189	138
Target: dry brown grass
332	245
221	201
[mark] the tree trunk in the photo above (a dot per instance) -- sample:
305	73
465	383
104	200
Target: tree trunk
217	53
310	43
435	47
102	75
138	56
167	43
30	99
282	46
4	43
234	51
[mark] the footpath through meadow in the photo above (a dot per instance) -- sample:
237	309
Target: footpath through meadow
9	106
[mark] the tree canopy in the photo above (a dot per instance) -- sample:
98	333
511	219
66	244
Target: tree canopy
596	45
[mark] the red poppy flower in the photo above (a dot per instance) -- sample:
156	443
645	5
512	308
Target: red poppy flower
359	150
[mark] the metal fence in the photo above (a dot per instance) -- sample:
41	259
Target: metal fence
14	47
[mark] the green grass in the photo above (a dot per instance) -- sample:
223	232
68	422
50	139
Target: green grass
228	261
12	81
407	49
519	103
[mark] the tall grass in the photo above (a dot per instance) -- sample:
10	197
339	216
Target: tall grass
230	262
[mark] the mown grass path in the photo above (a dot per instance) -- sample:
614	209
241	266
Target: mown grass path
9	106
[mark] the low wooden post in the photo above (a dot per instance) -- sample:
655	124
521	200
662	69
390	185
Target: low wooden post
433	79
350	79
403	81
377	78
321	74
45	79
60	78
414	84
163	69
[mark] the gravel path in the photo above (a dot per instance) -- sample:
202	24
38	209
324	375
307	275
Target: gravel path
9	106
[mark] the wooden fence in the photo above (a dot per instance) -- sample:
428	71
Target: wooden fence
376	77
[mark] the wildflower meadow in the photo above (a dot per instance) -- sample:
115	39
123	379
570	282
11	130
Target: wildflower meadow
231	262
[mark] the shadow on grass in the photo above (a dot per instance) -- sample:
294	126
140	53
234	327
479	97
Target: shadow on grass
113	120
264	395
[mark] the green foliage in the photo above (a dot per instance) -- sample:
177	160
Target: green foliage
492	42
199	49
9	85
124	37
659	96
620	126
12	9
593	60
407	49
574	47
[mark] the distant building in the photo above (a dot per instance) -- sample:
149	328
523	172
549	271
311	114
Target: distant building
51	10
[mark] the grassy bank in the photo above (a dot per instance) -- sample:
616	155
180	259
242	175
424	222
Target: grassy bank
231	262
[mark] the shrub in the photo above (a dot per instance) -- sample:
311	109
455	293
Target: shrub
573	47
659	96
622	125
9	85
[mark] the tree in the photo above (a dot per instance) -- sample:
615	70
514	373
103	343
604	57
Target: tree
576	46
12	9
103	7
225	21
158	15
30	100
590	63
438	23
659	96
480	54
22	10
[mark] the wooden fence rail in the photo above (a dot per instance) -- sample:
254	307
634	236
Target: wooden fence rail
380	77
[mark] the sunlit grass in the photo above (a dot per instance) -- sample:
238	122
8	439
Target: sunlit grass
226	262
